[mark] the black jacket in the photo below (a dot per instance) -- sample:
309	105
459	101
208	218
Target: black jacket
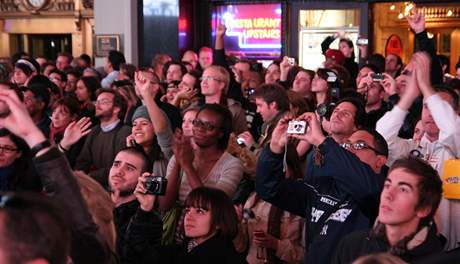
138	233
214	250
343	185
363	243
87	245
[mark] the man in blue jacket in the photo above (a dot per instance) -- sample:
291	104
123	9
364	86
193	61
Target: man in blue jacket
343	194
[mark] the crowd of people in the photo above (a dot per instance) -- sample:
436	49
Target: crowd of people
215	159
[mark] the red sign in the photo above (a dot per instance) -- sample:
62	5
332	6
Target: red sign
394	46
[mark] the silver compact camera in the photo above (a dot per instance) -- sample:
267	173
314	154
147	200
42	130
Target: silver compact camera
297	127
291	61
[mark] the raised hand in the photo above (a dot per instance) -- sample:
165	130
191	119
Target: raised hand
144	86
145	199
182	149
75	131
129	140
389	84
220	30
284	68
416	21
313	134
279	135
365	83
422	63
18	121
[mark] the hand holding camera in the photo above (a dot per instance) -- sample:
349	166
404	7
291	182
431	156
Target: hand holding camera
313	133
144	194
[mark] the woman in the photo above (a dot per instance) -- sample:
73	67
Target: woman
201	160
157	146
86	94
272	75
302	83
269	234
210	224
24	69
16	170
63	121
321	86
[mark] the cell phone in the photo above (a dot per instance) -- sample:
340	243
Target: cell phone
376	77
133	143
362	41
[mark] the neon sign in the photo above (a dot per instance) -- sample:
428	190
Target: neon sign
252	30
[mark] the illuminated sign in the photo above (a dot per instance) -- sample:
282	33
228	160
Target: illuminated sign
253	31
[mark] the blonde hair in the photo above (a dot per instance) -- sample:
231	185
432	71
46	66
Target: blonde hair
224	76
100	207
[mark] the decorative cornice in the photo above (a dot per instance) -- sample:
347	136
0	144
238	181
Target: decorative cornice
20	8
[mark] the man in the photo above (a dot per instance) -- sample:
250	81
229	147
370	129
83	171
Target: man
441	140
133	208
190	57
174	71
72	78
251	80
272	103
112	67
205	57
59	78
63	61
348	116
214	87
405	228
239	69
374	94
36	99
158	63
106	139
393	65
343	195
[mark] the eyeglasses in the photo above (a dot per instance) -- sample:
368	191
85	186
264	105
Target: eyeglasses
8	149
210	78
103	102
203	124
359	145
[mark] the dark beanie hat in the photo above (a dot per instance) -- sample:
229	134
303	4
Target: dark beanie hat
141	111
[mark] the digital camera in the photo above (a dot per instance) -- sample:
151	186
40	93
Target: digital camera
362	41
291	61
297	127
377	77
156	185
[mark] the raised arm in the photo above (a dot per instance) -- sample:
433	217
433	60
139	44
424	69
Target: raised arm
148	92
